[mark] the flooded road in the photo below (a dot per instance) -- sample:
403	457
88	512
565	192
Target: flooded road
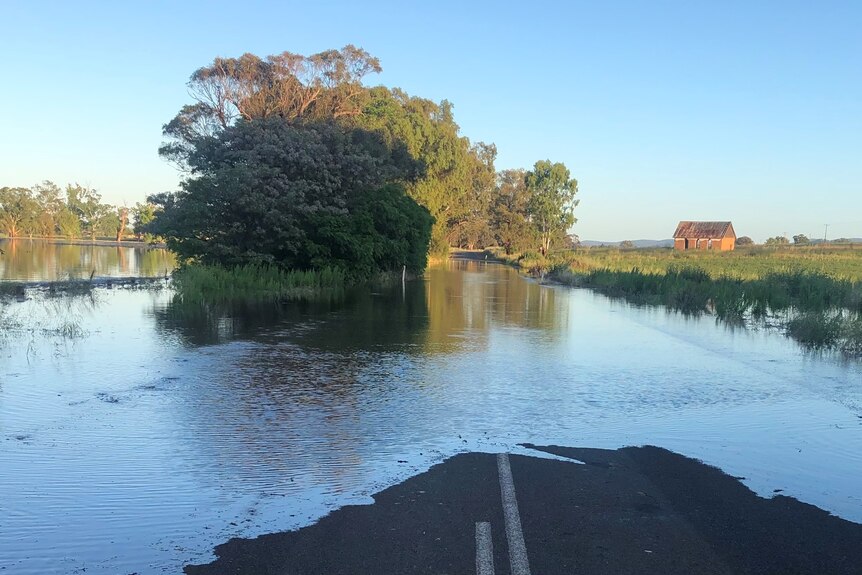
152	432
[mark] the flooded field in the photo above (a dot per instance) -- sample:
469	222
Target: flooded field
37	260
153	431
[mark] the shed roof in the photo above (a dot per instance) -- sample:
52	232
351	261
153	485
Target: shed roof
695	230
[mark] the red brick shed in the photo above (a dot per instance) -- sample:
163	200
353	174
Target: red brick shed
717	236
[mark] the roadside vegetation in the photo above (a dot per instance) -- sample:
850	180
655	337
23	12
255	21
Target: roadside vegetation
813	294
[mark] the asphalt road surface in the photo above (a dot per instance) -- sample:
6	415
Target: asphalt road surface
634	510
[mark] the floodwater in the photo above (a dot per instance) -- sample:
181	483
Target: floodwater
151	432
38	260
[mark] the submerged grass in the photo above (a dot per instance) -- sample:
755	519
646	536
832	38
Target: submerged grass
10	290
43	316
212	284
831	330
816	294
693	290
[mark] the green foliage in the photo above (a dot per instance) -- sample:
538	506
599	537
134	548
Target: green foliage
18	211
94	217
51	206
552	200
423	135
385	231
268	192
441	170
535	264
46	211
509	213
801	240
469	224
777	241
744	241
439	166
142	216
68	224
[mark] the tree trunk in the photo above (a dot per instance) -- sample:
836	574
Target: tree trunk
124	216
546	243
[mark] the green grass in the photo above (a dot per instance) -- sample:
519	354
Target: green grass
743	263
211	284
815	293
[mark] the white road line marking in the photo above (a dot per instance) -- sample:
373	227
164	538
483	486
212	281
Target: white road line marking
484	549
514	535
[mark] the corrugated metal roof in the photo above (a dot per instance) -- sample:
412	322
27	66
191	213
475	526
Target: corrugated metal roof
703	230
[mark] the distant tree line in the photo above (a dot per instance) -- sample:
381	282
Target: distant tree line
292	160
46	211
798	240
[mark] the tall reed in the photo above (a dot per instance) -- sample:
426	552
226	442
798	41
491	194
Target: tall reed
208	283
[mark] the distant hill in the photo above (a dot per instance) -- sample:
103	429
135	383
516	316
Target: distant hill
637	243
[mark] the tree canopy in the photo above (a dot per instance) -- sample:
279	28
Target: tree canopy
310	196
552	200
47	211
510	218
273	146
290	86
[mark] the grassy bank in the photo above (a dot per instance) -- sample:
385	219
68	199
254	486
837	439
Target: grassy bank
744	263
815	295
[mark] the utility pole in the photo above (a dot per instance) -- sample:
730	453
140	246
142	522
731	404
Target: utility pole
825	232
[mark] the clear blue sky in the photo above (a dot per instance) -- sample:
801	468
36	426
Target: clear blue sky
749	111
